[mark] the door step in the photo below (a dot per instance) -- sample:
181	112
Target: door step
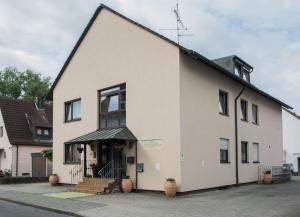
94	185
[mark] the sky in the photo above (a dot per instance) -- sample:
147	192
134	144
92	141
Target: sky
40	34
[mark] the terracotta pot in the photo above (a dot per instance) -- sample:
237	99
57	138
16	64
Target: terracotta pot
126	185
170	188
53	180
267	178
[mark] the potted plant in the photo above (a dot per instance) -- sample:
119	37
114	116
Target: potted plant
48	153
267	177
126	184
170	187
53	179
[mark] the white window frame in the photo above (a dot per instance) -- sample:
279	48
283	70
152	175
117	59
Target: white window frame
257	153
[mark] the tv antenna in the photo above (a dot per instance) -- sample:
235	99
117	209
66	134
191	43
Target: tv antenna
180	26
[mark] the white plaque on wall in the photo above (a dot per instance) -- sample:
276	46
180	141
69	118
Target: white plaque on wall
151	143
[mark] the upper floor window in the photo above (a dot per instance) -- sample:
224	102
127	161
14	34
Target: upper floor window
223	102
224	147
72	110
113	107
244	150
244	110
1	131
254	114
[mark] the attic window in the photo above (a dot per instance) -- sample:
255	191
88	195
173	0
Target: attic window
42	132
39	131
238	71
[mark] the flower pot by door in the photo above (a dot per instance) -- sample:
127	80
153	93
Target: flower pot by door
53	180
267	178
126	185
170	188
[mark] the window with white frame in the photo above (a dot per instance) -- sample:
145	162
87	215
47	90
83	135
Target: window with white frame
244	110
223	102
254	114
244	150
224	150
255	152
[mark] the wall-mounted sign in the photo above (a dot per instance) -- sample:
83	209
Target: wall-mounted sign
140	167
151	143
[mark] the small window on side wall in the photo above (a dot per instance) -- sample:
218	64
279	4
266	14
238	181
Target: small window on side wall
244	150
254	114
255	153
223	102
72	155
244	110
224	150
72	110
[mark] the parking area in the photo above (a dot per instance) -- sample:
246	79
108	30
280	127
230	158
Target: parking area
278	200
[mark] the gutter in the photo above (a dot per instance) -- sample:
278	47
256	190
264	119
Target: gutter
236	138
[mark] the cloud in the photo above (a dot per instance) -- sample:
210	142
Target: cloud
265	33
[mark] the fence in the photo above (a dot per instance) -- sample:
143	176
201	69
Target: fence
279	174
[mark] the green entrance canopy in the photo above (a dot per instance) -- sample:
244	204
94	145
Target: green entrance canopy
122	133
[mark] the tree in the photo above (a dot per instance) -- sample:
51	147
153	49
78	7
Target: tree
10	83
34	85
26	85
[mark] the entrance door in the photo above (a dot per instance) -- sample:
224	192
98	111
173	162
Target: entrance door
38	165
105	154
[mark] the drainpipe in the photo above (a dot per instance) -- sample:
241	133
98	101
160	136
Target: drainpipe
17	160
136	172
236	138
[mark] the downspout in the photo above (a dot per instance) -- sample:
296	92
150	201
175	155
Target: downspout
17	160
236	138
136	172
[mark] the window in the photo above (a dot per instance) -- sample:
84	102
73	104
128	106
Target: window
72	110
223	102
224	146
46	132
255	153
72	154
1	131
238	71
254	114
244	152
244	110
113	107
39	131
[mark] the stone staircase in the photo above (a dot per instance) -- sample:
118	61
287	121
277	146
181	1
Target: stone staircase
95	185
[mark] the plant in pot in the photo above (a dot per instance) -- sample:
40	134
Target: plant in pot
53	179
48	153
170	187
126	184
267	177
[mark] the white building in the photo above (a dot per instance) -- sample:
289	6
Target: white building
291	138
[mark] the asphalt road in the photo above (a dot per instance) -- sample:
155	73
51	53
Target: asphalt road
8	209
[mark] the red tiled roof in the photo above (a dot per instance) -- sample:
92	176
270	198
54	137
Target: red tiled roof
17	125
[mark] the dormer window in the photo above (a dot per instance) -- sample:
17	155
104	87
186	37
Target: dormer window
42	132
237	71
39	131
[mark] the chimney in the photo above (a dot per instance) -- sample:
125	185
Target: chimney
39	102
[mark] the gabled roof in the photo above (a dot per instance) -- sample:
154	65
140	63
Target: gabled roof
189	52
19	116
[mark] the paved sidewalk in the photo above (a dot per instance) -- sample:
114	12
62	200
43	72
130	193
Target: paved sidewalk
280	200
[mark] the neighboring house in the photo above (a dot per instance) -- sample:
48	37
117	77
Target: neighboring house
25	130
136	103
291	138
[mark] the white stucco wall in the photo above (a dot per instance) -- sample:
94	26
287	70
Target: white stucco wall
291	139
5	146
